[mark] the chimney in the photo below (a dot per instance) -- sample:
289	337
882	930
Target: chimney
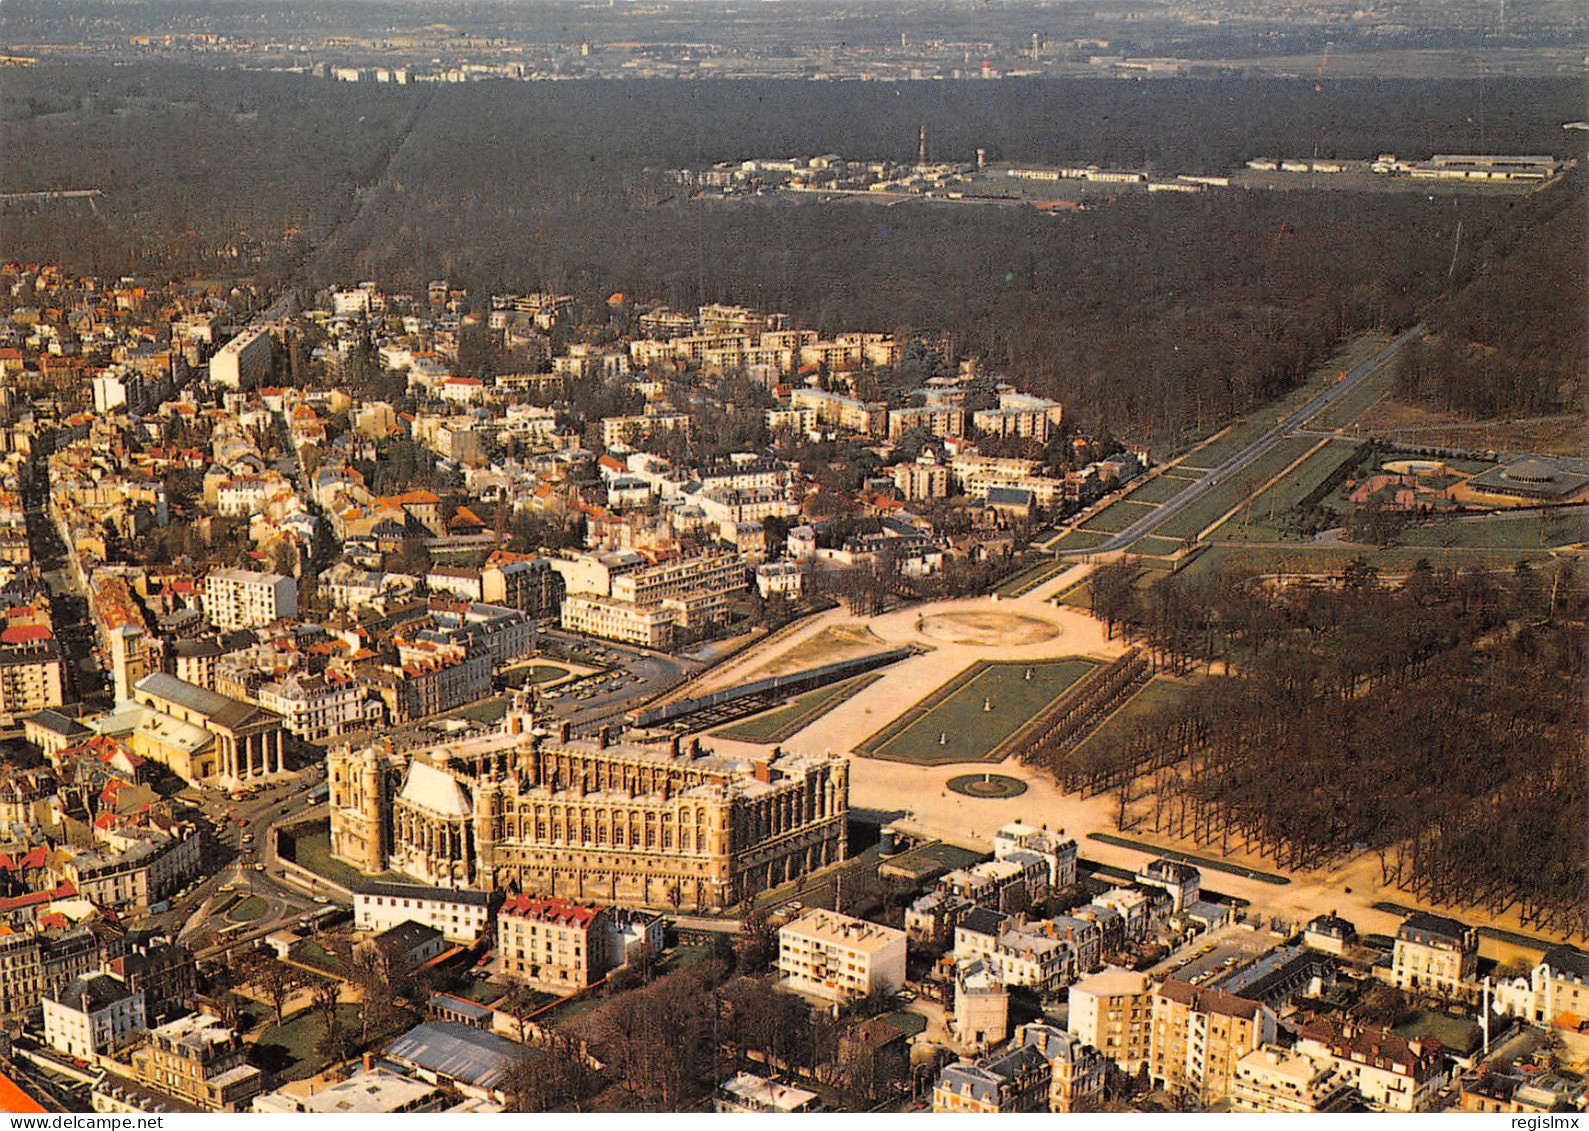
674	744
695	748
515	723
369	1062
762	770
603	737
562	731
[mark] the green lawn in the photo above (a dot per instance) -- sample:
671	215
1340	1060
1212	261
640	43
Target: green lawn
1396	561
1117	516
1029	579
248	910
1079	540
310	953
1162	489
785	722
314	853
1354	404
1216	453
951	724
1153	544
292	1045
1500	532
1286	494
1234	488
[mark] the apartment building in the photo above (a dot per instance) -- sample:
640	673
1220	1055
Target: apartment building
553	944
919	480
1076	1070
1390	1072
710	572
200	1060
837	411
627	430
1434	955
94	1013
241	598
1199	1035
1113	1011
837	957
317	707
649	626
942	421
1279	1081
1019	415
461	915
242	362
31	676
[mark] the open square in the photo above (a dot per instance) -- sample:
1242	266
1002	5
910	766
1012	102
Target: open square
973	716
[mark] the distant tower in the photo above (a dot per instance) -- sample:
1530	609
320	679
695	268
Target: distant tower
1035	42
982	158
902	39
921	153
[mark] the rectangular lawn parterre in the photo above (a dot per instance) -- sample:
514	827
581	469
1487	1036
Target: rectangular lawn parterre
785	722
1162	489
1234	488
951	725
1117	516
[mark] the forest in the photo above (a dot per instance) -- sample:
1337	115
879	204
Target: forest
1438	725
1515	340
1152	317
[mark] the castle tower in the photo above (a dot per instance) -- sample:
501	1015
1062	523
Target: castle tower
373	810
487	830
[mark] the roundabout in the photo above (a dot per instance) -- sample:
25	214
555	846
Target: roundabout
995	787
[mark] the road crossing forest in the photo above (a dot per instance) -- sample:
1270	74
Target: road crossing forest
1438	726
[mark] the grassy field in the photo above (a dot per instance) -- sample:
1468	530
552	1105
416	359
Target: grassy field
1162	489
1524	532
1286	494
951	724
1157	692
247	910
1233	489
1117	516
1153	544
1079	540
1216	453
292	1045
1324	560
1029	579
314	853
785	722
834	643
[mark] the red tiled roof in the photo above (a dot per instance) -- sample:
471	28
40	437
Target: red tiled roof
25	634
554	910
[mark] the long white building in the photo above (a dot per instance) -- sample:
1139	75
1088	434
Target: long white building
241	598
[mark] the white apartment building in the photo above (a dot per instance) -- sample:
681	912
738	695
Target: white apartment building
715	573
650	626
837	957
1281	1081
240	598
242	362
461	916
95	1013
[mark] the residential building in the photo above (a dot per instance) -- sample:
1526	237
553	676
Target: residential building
369	1091
1182	881
1390	1072
1198	1036
756	1095
921	480
553	944
94	1013
200	1060
649	626
1076	1070
1279	1081
1434	955
1015	1080
242	362
838	957
462	916
400	950
241	598
318	707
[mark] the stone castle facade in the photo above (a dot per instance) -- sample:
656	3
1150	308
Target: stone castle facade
640	824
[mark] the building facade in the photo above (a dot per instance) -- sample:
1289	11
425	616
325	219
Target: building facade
837	957
653	826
